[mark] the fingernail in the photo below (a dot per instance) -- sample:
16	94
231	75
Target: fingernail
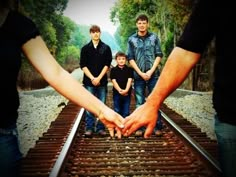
122	126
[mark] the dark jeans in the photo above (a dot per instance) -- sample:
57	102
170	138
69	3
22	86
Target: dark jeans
226	138
140	96
121	104
10	154
91	121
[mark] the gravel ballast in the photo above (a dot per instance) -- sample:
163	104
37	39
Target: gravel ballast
39	108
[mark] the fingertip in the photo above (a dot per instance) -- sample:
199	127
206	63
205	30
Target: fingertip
112	134
118	134
147	135
122	126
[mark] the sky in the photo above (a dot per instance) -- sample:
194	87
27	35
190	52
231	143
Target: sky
88	12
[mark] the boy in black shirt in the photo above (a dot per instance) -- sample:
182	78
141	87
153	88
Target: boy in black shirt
121	77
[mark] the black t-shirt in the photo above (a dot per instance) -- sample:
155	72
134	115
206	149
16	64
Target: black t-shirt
16	30
214	19
95	59
121	75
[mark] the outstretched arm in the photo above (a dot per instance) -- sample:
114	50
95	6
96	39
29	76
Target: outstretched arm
178	65
42	60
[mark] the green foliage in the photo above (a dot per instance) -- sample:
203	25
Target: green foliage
56	30
49	35
68	53
64	38
47	14
43	8
168	45
80	36
166	18
64	29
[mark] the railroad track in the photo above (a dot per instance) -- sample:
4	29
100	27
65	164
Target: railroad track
64	151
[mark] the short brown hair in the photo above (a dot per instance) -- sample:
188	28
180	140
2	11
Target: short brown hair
94	28
142	17
120	54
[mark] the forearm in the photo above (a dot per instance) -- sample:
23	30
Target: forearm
155	64
42	60
135	66
178	65
116	85
103	72
88	73
128	85
75	92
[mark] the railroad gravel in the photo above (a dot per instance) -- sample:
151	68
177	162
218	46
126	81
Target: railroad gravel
35	116
39	108
196	107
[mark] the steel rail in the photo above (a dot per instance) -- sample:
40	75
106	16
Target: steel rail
198	147
58	164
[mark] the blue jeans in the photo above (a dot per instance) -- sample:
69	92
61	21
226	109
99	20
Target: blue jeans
10	154
121	104
226	138
100	93
140	87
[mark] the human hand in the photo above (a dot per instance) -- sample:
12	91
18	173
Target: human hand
149	73
123	92
145	76
112	120
145	115
96	81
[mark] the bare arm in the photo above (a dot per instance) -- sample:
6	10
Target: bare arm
128	84
137	69
116	85
88	73
175	71
135	66
179	64
103	72
42	60
121	91
154	66
95	79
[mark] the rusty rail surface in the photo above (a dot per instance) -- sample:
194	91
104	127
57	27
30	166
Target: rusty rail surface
168	155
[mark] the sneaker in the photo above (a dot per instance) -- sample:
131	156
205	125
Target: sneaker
102	132
88	133
158	132
139	133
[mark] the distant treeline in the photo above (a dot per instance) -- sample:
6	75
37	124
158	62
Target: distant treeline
65	38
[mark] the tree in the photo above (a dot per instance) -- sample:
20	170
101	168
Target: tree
47	14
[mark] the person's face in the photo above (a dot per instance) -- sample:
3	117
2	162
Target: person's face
121	60
95	35
142	25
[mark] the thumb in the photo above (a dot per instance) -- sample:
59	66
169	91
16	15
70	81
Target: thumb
119	121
